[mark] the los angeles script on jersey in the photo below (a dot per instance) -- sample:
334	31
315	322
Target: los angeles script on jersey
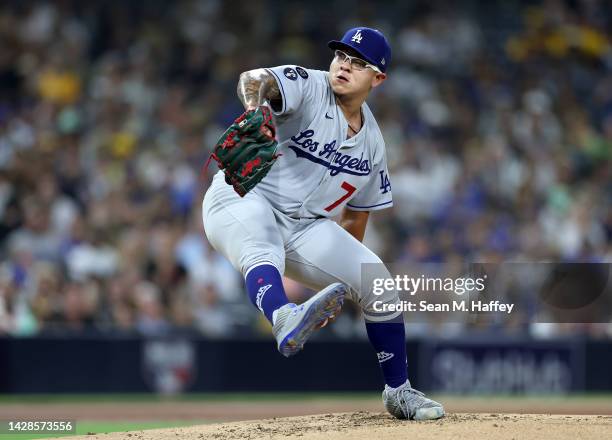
328	155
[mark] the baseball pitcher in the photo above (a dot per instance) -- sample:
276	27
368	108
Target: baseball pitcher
307	149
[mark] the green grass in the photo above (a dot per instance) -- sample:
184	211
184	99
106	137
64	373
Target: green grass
101	427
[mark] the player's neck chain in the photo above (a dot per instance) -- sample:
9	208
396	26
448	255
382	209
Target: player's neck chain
360	126
353	130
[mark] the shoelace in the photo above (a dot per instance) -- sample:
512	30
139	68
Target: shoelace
413	391
402	399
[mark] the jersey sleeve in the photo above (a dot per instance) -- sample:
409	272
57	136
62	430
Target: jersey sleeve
296	84
376	194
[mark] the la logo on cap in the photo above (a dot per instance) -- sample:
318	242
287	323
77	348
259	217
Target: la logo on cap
357	37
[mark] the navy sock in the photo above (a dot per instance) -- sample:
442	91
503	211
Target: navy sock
389	341
265	288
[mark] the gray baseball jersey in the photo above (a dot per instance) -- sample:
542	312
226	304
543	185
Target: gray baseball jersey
319	171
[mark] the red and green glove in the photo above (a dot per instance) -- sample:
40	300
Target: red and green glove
247	149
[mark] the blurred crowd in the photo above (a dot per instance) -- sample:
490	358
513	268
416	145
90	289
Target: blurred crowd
497	118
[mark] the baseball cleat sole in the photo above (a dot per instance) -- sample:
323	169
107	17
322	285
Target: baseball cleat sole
319	309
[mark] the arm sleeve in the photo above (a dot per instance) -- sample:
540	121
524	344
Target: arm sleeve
296	86
376	195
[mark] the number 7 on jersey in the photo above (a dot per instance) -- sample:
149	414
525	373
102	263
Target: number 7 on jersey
350	189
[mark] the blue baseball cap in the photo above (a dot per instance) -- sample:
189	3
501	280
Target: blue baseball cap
370	43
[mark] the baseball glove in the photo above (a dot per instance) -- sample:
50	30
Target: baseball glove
247	149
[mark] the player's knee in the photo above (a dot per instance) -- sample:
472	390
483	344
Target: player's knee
378	298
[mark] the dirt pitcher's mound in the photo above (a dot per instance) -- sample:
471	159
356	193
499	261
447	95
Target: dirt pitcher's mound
379	426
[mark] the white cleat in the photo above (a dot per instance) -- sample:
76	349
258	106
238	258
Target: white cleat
404	402
294	324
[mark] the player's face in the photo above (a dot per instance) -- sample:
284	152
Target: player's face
352	77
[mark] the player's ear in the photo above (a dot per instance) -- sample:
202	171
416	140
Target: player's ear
378	79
